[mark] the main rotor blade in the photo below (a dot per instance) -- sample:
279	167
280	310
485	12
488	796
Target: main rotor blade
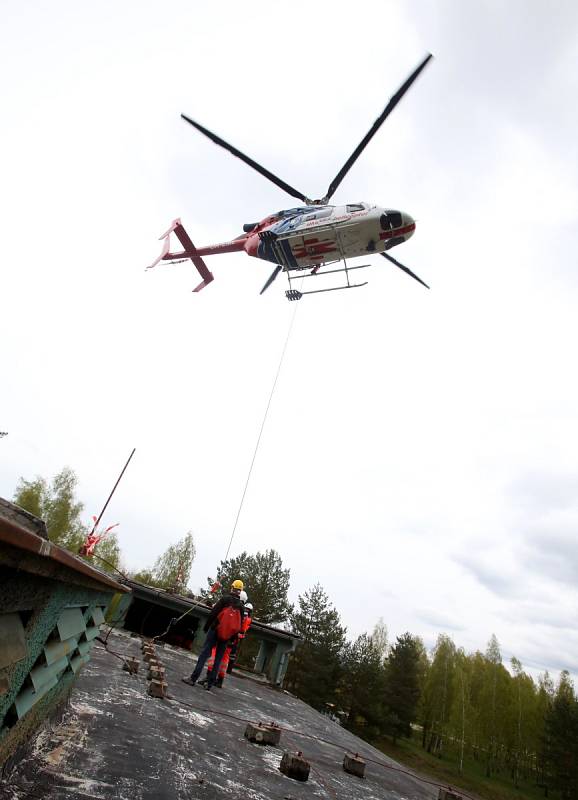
271	278
373	130
265	172
405	269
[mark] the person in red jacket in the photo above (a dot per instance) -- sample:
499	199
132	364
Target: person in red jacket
231	651
222	627
245	625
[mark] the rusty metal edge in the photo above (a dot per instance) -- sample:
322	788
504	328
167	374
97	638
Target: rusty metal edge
13	534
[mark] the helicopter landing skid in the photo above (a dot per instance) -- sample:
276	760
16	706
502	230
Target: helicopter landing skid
297	294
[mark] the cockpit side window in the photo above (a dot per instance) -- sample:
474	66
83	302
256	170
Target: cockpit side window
355	207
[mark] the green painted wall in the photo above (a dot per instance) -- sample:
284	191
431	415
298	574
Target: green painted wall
52	626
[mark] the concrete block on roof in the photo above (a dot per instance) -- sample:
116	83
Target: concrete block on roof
263	734
295	766
354	765
157	689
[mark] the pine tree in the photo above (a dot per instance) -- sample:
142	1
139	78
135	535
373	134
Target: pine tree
402	691
363	683
562	730
315	667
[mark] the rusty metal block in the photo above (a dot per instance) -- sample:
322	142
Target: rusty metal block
263	734
157	689
295	766
131	665
354	765
448	794
149	656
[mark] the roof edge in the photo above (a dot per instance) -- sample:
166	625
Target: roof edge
17	535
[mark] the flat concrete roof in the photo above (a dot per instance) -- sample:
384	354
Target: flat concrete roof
116	742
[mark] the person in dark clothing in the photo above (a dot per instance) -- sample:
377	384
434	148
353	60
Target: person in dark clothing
213	640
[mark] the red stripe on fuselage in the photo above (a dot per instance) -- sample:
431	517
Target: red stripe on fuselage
397	232
312	248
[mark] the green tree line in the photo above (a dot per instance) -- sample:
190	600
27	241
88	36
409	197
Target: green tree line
461	706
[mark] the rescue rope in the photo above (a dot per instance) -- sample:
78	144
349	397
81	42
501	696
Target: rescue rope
262	428
188	611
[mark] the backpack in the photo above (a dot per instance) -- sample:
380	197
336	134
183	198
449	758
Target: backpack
228	623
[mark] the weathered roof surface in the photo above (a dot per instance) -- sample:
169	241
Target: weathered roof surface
116	742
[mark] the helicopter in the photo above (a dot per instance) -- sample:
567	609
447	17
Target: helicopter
301	241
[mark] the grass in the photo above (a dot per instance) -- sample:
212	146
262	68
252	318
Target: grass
445	771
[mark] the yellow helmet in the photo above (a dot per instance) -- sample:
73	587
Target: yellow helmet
237	585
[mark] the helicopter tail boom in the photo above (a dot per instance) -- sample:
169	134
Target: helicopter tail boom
190	251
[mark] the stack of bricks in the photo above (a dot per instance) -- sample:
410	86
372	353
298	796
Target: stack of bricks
156	671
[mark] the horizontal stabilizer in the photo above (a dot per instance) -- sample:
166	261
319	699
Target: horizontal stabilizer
189	251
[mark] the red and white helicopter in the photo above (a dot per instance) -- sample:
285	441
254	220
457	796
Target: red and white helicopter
299	241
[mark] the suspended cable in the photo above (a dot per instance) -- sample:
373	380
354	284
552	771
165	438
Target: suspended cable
261	429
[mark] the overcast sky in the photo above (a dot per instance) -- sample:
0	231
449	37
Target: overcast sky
420	459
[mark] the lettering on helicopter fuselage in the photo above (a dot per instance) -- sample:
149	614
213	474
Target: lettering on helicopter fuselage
317	223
